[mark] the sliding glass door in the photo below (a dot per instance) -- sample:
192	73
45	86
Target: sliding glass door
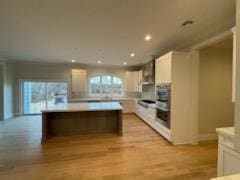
40	95
56	93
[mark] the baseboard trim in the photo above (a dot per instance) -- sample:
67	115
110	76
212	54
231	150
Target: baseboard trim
207	137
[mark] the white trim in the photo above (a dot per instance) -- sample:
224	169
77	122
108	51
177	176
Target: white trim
194	97
207	137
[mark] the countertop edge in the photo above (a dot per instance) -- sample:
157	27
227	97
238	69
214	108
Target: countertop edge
80	110
79	107
227	131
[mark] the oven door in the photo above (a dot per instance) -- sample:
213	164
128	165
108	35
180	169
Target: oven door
163	117
162	95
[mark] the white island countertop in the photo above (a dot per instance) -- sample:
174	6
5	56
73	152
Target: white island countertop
75	107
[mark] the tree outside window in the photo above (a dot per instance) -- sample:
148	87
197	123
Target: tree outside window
106	86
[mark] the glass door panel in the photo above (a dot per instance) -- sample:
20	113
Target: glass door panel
56	93
40	95
34	97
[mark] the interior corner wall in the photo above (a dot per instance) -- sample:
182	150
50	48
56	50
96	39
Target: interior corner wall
215	90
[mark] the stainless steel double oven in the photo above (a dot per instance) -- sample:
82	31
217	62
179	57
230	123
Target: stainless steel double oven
163	104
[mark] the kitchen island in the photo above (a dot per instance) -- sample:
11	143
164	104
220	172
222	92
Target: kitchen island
81	118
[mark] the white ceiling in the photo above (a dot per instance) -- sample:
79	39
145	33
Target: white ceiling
106	30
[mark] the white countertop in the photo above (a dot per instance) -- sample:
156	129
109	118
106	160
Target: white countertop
232	177
227	131
153	106
74	107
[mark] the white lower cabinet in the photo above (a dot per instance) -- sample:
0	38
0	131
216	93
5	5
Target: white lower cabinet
149	116
228	157
230	161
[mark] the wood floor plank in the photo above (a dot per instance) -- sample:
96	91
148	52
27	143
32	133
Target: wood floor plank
139	154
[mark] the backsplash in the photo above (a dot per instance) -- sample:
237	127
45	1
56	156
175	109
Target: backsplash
75	95
148	92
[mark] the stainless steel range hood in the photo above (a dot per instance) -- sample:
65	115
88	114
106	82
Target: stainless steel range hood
148	73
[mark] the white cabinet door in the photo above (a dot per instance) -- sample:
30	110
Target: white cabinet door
129	81
157	70
133	79
140	74
79	80
164	69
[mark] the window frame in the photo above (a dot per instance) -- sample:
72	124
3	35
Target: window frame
101	94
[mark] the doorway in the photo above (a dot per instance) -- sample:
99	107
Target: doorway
216	108
38	95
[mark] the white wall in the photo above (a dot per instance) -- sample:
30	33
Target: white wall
215	89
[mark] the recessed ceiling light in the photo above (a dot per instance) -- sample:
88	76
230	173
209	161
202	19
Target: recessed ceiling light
132	54
124	63
148	37
99	62
73	61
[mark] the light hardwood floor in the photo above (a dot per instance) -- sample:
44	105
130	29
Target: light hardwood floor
139	154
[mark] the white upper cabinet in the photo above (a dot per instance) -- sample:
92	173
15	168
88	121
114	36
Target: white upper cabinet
163	69
79	80
140	75
133	79
129	85
234	30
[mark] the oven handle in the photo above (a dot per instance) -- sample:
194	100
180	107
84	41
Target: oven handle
163	109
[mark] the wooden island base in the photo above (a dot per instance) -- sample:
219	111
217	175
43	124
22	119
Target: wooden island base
80	122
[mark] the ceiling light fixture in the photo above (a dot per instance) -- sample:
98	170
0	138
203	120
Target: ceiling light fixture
132	54
73	61
99	62
148	37
124	63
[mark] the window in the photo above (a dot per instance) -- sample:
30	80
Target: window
106	86
39	95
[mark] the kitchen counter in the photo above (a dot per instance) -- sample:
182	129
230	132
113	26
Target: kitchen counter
232	177
227	131
228	157
81	118
100	99
73	107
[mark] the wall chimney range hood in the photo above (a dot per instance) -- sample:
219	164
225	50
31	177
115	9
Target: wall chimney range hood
148	73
